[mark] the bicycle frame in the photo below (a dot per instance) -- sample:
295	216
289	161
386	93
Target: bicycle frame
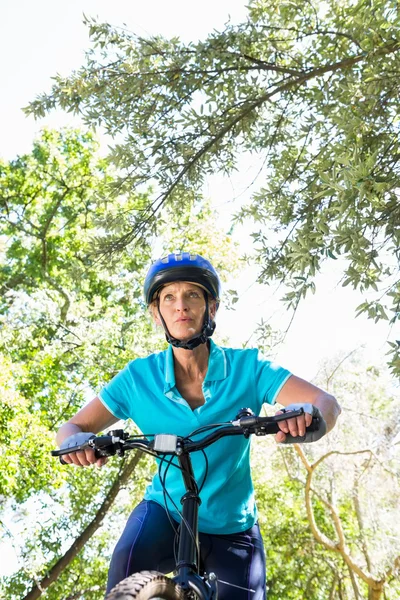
187	565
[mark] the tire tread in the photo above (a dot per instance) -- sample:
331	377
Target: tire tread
134	587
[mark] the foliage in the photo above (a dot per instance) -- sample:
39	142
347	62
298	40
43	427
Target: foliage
70	320
357	479
25	444
310	90
55	352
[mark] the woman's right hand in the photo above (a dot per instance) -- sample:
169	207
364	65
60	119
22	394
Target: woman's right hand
83	458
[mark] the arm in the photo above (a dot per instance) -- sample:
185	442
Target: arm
299	391
93	417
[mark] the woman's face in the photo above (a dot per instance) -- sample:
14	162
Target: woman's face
182	305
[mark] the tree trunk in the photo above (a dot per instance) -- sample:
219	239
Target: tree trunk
333	587
375	592
78	544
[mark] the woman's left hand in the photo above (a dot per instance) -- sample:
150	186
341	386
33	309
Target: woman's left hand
314	401
295	427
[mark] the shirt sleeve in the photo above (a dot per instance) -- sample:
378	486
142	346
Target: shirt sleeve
116	394
270	378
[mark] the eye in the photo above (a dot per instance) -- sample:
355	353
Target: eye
168	297
194	294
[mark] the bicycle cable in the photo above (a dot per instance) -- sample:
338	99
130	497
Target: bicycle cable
206	428
171	520
190	531
163	484
140	435
205	471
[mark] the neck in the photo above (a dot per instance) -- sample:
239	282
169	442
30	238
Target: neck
191	362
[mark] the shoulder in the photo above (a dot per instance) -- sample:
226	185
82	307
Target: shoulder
154	360
251	358
241	354
142	365
240	357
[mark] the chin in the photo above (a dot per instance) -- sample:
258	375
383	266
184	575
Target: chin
185	335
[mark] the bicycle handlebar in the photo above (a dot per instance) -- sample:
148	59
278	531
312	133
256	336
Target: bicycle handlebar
118	441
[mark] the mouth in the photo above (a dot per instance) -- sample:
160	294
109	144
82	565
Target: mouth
183	320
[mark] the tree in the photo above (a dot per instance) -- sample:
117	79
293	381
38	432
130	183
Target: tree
311	89
328	510
69	322
65	319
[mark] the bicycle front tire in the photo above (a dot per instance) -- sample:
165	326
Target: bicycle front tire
147	585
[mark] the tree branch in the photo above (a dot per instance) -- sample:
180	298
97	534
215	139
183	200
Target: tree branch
53	212
360	521
354	584
249	107
54	572
67	301
374	584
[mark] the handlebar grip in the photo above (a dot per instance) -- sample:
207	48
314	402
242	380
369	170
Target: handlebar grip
314	432
97	453
273	427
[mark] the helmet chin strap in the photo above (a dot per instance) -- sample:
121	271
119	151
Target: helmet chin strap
206	331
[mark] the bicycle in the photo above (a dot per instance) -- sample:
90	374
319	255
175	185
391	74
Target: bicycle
188	583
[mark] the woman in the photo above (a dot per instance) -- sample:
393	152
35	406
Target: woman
194	383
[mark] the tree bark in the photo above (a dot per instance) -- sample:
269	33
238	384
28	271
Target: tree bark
79	543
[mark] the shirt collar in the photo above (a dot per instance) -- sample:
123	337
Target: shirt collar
217	366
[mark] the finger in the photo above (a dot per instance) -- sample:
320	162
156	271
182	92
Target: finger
90	456
100	462
293	427
73	460
80	459
297	427
283	425
84	458
303	422
301	425
280	437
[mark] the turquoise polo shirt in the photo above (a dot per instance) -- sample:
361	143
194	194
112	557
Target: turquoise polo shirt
145	392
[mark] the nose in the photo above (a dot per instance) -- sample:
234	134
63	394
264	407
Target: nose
181	304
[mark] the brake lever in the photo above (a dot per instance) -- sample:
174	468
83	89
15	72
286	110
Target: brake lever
253	420
60	452
103	445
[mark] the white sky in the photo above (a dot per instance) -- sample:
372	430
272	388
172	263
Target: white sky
42	38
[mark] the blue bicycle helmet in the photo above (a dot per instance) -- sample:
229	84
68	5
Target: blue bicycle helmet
193	268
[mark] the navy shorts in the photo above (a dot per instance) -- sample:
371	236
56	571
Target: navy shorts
147	543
